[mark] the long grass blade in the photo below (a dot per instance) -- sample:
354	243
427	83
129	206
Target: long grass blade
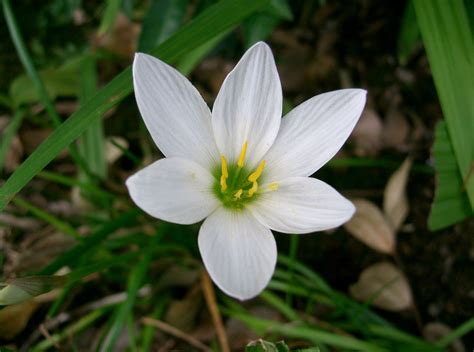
216	19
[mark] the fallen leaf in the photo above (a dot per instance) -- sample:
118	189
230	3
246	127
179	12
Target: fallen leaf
396	130
13	319
395	201
369	226
367	134
384	286
122	39
183	313
113	149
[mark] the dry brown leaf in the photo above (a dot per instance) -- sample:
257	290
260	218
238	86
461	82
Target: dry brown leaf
112	151
183	313
385	286
122	39
396	130
433	332
14	318
370	226
395	201
367	134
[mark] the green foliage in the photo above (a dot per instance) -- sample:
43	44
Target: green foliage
22	289
9	133
448	40
216	19
409	34
260	25
58	82
266	346
451	203
163	18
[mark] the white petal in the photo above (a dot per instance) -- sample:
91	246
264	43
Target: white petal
301	205
248	106
312	133
174	112
239	253
175	190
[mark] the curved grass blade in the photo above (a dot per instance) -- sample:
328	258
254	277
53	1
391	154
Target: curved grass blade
216	19
35	77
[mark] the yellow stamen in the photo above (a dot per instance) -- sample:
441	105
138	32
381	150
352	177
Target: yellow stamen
240	163
225	174
238	194
256	174
273	186
253	189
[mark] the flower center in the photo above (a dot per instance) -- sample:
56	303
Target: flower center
237	186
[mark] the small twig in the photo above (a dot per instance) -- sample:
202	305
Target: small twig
210	297
48	336
415	310
171	330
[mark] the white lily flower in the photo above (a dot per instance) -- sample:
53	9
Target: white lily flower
242	167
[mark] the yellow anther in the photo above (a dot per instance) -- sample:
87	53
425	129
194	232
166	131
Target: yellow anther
240	163
238	194
256	174
225	173
273	186
253	189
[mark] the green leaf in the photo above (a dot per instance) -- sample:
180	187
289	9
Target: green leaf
164	17
92	142
261	25
63	81
409	34
448	40
264	346
110	14
451	203
9	133
216	19
22	289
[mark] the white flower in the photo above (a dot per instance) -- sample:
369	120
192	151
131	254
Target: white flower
242	167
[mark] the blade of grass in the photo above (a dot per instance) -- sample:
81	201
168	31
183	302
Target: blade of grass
164	17
409	34
92	142
449	45
135	281
111	11
9	133
91	242
149	331
71	182
50	219
220	17
71	330
30	69
314	335
457	333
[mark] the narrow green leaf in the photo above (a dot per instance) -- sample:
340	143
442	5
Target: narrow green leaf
451	203
33	74
8	135
449	44
164	17
62	81
409	34
92	142
135	281
110	14
50	219
216	19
